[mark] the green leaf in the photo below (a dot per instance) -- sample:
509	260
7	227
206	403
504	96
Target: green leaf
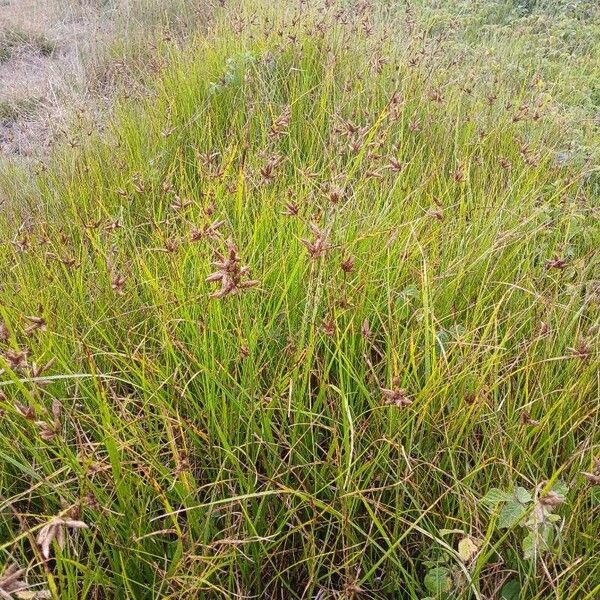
410	292
511	514
553	518
547	537
511	590
537	541
522	495
529	546
442	338
496	496
438	581
562	489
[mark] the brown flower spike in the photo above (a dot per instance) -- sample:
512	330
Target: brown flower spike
230	273
55	530
318	246
594	476
14	585
395	395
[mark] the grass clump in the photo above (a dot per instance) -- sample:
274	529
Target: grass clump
11	110
313	320
14	40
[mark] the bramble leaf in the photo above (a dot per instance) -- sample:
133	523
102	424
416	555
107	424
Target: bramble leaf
511	514
496	496
562	489
528	546
511	590
522	495
438	581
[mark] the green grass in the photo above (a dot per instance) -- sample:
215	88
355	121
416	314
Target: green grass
406	233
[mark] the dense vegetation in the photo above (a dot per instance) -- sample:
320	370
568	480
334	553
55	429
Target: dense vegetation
317	317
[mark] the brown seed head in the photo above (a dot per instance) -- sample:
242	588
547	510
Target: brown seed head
16	359
347	264
118	283
594	476
396	396
230	274
556	263
319	245
551	500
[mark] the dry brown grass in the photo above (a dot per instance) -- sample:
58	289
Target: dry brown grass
35	85
68	55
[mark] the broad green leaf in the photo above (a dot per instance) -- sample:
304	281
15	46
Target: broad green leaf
562	489
546	537
496	496
540	540
442	338
522	495
511	514
438	581
410	292
511	590
529	546
553	517
457	330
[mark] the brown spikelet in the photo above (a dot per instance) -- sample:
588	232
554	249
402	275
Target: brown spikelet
594	476
230	274
118	284
365	330
291	209
551	500
318	246
13	584
26	411
328	326
180	204
395	165
556	263
209	230
4	332
414	125
458	174
582	349
54	531
280	124
396	396
16	359
37	371
347	264
116	224
527	420
267	171
138	183
37	324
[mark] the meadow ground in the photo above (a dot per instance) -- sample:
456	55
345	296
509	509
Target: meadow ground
310	310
